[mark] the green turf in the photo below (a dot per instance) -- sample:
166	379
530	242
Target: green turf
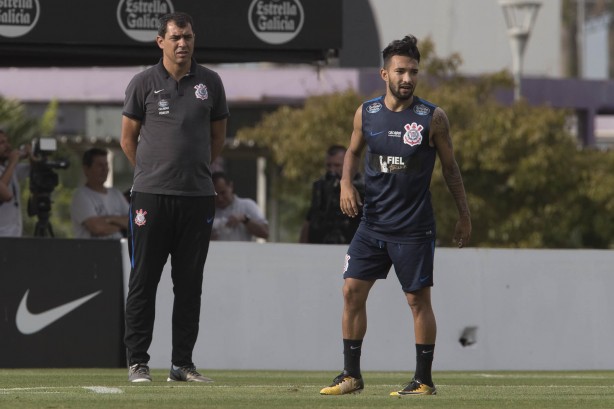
68	388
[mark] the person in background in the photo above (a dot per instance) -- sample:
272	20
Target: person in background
403	134
236	218
12	172
325	223
98	211
173	128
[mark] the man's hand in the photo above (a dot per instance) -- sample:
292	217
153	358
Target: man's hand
462	233
349	200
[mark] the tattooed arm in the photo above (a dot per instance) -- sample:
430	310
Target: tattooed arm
441	140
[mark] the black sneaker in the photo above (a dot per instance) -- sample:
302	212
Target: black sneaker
139	373
187	374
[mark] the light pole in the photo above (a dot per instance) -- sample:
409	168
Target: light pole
519	17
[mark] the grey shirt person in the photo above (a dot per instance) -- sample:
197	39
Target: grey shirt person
175	129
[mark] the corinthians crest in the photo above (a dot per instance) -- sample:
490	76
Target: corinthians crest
201	91
139	220
413	136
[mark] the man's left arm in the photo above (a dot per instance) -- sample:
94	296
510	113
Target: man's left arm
100	226
254	221
131	129
120	221
218	137
442	141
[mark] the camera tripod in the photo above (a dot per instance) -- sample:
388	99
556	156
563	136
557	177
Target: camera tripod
43	226
39	205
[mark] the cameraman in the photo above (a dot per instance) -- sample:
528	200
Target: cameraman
325	223
11	174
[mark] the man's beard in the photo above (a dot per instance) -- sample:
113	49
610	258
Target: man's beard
398	95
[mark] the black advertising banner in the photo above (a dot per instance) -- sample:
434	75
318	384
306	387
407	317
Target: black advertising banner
61	303
122	32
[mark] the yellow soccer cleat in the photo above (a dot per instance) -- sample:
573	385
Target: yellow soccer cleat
344	384
415	387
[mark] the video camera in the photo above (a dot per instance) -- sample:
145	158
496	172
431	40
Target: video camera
328	224
43	180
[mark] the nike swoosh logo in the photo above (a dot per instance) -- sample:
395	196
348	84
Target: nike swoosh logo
29	323
209	220
351	347
377	133
157	91
423	279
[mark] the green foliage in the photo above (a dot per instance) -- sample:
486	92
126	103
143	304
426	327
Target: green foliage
49	118
13	119
297	139
515	163
528	184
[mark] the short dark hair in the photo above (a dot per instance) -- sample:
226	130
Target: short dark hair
335	149
407	47
220	175
180	19
88	155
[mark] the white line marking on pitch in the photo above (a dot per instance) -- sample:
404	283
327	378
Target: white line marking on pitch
103	389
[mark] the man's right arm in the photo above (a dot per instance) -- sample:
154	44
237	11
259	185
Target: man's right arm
349	200
5	179
131	129
100	226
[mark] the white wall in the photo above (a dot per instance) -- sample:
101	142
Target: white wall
278	306
476	29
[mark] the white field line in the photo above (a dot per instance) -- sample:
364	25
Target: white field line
108	389
539	376
103	389
115	390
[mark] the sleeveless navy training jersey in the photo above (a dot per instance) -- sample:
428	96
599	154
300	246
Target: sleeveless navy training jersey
398	167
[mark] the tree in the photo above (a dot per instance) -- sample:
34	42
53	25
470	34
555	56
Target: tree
16	123
528	182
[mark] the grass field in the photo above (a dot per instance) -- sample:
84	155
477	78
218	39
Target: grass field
108	388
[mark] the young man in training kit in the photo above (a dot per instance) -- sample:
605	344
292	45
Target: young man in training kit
402	133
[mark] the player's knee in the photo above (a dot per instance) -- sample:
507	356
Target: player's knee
419	304
354	297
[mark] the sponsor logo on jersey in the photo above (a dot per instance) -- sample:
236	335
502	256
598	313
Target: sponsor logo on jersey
422	109
201	91
395	134
163	107
413	136
346	263
18	17
276	21
391	164
139	219
138	19
374	107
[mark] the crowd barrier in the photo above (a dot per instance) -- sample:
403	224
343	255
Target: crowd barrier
278	306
